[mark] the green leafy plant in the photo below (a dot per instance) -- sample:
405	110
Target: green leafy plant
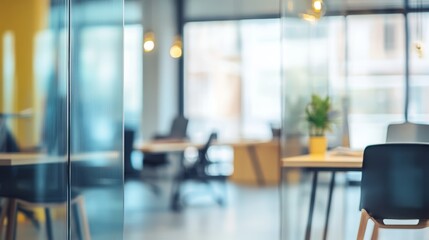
318	115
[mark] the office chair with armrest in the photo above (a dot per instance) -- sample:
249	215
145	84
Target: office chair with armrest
177	132
202	170
44	186
394	186
407	132
403	133
129	171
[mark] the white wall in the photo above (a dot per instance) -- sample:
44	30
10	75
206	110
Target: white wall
159	69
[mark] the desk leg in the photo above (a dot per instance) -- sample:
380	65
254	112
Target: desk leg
251	150
175	204
311	209
328	211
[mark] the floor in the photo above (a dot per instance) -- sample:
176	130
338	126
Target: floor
251	213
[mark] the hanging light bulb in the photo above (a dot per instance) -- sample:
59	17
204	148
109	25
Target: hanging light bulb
149	41
418	44
315	12
176	48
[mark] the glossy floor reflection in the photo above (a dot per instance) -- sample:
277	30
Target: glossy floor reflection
251	213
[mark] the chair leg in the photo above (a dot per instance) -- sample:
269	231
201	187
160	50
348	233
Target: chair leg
48	224
364	217
375	232
175	202
82	219
11	218
4	209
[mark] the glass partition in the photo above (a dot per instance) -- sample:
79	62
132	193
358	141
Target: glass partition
33	119
60	140
364	56
96	115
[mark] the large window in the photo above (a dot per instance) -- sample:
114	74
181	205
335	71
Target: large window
232	77
376	73
419	71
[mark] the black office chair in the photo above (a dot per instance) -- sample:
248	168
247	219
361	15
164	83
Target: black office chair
42	186
407	132
202	170
177	132
395	180
129	171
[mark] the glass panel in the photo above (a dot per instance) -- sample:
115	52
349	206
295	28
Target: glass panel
133	74
313	62
376	76
96	117
419	72
33	117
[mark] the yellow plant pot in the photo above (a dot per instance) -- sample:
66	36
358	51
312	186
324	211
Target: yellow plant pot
318	145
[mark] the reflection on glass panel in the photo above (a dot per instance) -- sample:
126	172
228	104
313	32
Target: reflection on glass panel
419	72
313	62
376	72
33	118
96	115
133	76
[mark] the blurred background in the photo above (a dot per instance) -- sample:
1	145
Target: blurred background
162	119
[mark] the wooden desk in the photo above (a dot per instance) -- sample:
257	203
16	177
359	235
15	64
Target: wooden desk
165	146
331	162
19	159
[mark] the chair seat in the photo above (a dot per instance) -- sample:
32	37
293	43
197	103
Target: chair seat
45	197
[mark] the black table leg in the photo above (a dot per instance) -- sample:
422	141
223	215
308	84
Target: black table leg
311	209
175	204
328	211
48	224
256	166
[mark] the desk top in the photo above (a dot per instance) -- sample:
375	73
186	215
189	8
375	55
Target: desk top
20	159
329	160
178	146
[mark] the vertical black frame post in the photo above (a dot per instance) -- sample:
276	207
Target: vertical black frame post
180	10
407	59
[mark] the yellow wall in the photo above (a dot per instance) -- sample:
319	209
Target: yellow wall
24	18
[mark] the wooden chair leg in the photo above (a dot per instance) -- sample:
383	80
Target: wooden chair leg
375	232
4	210
364	217
83	219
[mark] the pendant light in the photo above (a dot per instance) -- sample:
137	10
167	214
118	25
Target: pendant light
176	49
148	41
418	44
315	11
149	36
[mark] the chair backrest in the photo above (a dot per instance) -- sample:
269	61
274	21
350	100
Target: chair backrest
202	153
128	148
179	127
407	132
395	181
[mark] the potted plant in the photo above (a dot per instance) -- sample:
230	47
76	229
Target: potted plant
318	117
